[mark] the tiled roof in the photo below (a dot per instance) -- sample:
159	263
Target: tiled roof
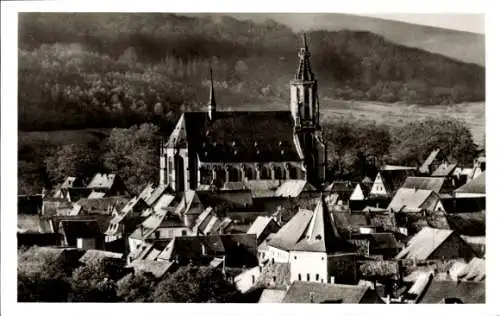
312	292
102	206
290	233
272	296
475	271
293	188
102	181
475	186
156	194
394	179
321	234
94	254
156	268
239	136
260	224
430	159
444	170
409	199
343	188
424	243
149	225
96	195
263	188
33	224
396	168
467	292
425	183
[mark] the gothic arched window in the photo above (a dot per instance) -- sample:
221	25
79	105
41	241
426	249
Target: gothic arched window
265	173
234	174
292	173
250	173
279	173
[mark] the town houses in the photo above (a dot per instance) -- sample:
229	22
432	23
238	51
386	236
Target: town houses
247	192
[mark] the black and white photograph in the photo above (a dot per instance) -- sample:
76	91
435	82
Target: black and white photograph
237	157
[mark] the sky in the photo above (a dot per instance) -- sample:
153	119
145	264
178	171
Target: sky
462	22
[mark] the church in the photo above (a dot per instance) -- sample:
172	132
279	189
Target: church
227	148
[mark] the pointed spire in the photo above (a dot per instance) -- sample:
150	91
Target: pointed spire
211	101
322	234
304	71
305	43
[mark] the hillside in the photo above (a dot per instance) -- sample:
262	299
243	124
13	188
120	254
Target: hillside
105	70
464	46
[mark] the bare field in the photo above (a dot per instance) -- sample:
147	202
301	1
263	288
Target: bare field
394	114
473	114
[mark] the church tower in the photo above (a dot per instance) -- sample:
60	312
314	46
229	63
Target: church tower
304	107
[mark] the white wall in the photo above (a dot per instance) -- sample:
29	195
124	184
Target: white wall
378	186
278	255
357	194
312	263
171	232
245	280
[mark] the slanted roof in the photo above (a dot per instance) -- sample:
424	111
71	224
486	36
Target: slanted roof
33	224
379	241
424	243
94	254
475	186
156	268
425	183
467	292
343	188
313	292
474	271
293	188
290	233
237	136
396	168
102	181
444	170
156	194
71	182
430	159
394	179
409	199
96	195
263	188
103	206
321	234
260	224
272	296
149	225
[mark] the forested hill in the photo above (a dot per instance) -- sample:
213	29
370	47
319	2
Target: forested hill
106	70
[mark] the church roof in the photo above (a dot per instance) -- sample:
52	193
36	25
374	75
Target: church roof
241	136
322	234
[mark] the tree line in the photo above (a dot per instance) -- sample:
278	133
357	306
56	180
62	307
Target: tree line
103	70
355	149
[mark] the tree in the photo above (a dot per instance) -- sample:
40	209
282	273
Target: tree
133	154
191	284
72	160
93	283
41	277
415	140
136	287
